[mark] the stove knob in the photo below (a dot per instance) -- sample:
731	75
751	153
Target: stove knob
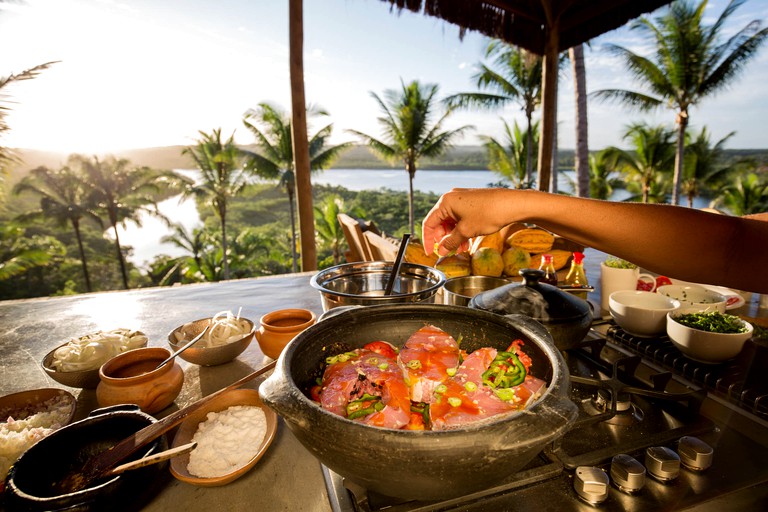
627	473
591	484
695	454
663	463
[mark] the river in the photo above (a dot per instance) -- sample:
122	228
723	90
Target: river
146	243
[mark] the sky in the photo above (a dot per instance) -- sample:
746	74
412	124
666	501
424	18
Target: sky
148	73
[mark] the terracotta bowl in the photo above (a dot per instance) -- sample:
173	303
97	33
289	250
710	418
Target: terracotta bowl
278	328
33	400
207	356
133	378
189	426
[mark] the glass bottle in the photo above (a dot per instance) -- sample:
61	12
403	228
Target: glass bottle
548	266
576	276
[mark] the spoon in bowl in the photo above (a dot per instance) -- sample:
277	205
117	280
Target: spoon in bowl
396	264
185	347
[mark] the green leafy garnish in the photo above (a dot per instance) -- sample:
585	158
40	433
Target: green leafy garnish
613	262
712	322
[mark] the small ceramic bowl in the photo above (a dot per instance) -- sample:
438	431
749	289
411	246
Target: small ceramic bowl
188	428
133	378
641	313
695	297
278	328
87	379
208	356
705	346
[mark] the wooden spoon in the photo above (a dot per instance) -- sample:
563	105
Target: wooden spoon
100	464
153	459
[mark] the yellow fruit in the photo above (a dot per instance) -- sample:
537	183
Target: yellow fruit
487	261
454	265
515	260
560	258
533	240
414	253
494	240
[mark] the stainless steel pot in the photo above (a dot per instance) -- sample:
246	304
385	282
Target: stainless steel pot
460	290
566	317
31	481
420	465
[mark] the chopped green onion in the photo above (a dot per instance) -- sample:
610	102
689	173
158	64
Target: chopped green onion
451	372
505	394
442	388
454	401
470	386
414	364
383	366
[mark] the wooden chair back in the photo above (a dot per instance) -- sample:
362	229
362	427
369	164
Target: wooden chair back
381	248
358	245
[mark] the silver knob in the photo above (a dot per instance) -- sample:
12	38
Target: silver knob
663	463
627	473
695	454
591	484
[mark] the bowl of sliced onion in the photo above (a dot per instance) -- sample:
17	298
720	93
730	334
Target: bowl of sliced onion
226	337
76	363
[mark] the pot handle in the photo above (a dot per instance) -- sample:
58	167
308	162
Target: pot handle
114	408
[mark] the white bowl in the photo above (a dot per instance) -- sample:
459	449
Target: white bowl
705	346
695	297
641	313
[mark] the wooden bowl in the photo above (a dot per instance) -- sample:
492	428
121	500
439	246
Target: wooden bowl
208	356
189	426
32	401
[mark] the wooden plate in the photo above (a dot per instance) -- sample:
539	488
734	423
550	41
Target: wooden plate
189	426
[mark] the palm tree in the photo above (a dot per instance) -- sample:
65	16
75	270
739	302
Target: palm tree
275	159
409	133
582	161
20	253
64	199
328	228
691	63
514	77
510	158
702	168
602	175
653	153
6	155
747	196
123	193
221	179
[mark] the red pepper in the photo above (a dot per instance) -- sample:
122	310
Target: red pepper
314	393
382	348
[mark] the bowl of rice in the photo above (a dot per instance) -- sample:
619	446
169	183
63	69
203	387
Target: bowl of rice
232	432
76	363
226	337
28	416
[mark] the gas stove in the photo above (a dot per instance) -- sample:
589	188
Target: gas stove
656	431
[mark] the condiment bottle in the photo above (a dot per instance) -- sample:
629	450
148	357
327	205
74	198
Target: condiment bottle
576	276
548	266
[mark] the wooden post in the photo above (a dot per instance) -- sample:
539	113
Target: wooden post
548	105
299	136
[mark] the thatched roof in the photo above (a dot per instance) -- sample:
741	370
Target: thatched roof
525	23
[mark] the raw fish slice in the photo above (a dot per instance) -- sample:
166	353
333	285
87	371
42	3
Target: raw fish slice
425	360
466	399
367	373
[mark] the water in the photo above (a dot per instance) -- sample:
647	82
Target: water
146	242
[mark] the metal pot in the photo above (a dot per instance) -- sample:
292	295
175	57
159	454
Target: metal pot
565	316
420	465
30	484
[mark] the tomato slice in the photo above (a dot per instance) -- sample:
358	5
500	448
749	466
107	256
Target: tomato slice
663	281
382	348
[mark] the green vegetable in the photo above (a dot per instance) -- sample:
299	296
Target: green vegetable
613	262
712	322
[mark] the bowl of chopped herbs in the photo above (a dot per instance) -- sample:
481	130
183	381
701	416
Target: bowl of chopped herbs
708	337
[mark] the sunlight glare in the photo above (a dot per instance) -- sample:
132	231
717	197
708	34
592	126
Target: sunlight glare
109	311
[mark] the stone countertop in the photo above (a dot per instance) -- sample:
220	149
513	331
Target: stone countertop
287	477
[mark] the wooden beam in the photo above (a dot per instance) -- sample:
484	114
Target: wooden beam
299	136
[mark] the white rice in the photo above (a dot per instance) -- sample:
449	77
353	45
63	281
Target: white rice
227	441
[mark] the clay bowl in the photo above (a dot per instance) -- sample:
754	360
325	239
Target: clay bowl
25	403
189	427
204	355
278	328
133	378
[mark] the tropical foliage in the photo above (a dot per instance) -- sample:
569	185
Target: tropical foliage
509	158
513	76
409	132
274	160
691	62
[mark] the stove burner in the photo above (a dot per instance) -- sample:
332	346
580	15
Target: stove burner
627	413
